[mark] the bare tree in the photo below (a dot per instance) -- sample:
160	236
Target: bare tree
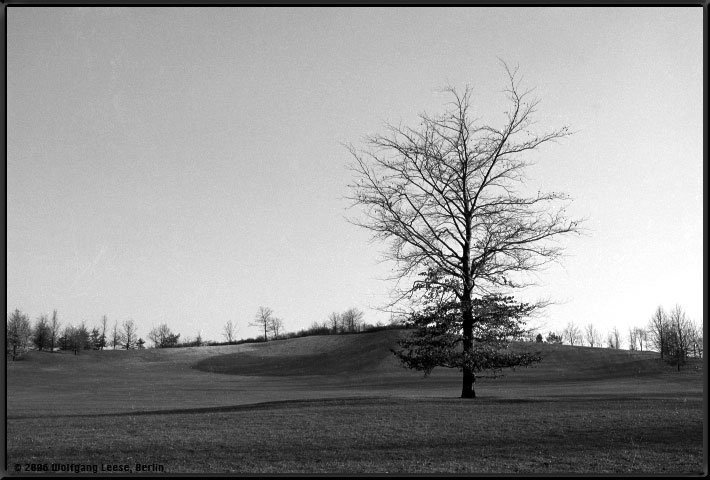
334	322
54	326
447	197
682	335
229	331
116	336
128	334
571	334
617	338
276	326
263	320
592	335
633	338
163	337
642	338
697	341
103	338
659	331
351	320
614	339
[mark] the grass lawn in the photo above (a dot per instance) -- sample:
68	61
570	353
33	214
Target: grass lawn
581	411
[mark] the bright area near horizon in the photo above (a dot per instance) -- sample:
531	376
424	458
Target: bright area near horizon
186	165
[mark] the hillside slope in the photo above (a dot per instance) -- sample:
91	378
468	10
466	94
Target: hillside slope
369	353
338	355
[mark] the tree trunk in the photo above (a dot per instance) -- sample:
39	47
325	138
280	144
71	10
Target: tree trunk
469	378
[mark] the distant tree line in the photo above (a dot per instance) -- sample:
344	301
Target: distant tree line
672	334
49	334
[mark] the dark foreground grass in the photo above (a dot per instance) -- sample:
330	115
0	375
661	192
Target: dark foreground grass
383	435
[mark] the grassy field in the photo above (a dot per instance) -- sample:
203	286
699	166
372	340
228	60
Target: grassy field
342	404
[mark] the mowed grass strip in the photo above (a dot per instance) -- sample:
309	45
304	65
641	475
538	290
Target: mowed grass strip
377	435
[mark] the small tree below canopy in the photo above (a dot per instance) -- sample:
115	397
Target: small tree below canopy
438	339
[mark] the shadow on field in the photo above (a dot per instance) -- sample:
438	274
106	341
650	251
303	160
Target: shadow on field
375	401
317	355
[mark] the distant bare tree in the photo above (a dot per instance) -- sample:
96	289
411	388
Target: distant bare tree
614	339
571	334
334	322
116	336
229	331
103	339
642	338
682	335
659	330
129	334
54	326
633	331
263	320
351	320
276	326
618	337
696	350
592	335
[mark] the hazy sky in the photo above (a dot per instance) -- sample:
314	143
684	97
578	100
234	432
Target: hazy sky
186	165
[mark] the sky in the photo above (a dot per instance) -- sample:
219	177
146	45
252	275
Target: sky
188	165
